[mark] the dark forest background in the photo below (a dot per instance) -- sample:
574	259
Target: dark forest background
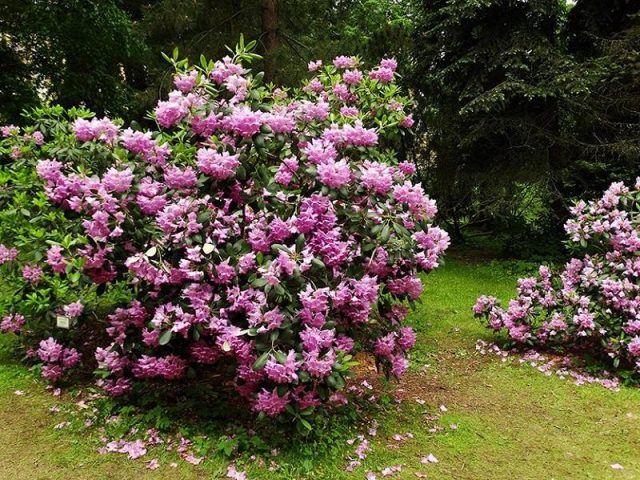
522	106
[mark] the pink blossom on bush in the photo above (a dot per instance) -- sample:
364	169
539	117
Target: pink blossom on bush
382	74
390	63
218	165
186	82
9	130
12	323
286	171
32	273
73	309
271	403
244	122
377	176
96	129
334	174
349	111
117	180
55	259
407	122
50	351
169	113
352	77
319	366
315	65
634	347
359	136
345	62
7	254
594	302
284	371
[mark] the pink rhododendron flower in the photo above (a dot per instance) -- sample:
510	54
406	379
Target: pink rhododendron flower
282	372
271	403
334	174
352	77
315	65
186	82
55	259
73	309
7	254
169	113
32	274
218	165
12	323
345	62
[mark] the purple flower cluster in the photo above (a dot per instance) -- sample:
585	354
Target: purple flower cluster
12	323
594	303
56	358
7	254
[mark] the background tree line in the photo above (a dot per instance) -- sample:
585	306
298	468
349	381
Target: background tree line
523	106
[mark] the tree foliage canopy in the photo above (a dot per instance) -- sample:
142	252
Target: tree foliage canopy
105	54
534	92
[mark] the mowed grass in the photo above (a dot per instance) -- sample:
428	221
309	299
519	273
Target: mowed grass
512	421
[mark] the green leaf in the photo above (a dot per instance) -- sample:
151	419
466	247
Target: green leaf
386	231
165	337
261	361
259	282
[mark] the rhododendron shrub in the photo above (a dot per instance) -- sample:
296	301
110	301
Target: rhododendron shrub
594	303
270	232
42	278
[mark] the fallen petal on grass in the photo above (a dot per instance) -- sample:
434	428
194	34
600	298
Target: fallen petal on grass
388	471
429	459
193	460
235	474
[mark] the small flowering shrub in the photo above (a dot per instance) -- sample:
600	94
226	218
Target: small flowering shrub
40	279
267	234
594	303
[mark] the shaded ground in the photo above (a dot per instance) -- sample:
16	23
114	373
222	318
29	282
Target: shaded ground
512	421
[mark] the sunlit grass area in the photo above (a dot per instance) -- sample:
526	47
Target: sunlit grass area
497	420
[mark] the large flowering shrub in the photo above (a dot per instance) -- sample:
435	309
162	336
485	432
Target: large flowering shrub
594	303
268	234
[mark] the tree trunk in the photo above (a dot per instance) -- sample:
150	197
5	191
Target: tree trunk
270	36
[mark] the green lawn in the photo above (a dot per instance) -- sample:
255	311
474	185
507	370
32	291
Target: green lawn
512	421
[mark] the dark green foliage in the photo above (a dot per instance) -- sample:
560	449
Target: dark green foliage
105	54
604	36
74	52
488	102
530	97
306	30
